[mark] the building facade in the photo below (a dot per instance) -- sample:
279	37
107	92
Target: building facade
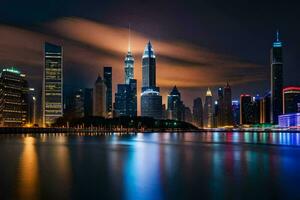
99	98
235	112
208	116
246	112
88	102
107	76
174	108
151	101
129	67
291	100
126	99
227	106
198	112
289	121
276	80
266	108
13	98
52	84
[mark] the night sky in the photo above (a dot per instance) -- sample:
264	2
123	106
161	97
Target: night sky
198	44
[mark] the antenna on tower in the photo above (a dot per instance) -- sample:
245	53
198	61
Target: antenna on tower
129	38
277	35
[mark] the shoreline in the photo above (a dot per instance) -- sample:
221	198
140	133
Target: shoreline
28	130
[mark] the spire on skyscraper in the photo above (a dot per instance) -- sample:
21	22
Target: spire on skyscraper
208	93
277	43
129	38
277	36
149	51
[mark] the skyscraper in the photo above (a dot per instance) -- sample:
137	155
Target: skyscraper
79	103
126	95
52	84
32	106
99	98
276	80
88	102
126	100
266	108
219	112
129	63
107	75
13	98
188	117
149	67
291	100
174	105
151	101
227	106
246	112
198	112
235	112
208	110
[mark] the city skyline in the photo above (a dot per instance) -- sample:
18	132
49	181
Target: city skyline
165	69
218	114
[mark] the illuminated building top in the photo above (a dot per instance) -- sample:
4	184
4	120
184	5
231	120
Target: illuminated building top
149	51
208	93
277	43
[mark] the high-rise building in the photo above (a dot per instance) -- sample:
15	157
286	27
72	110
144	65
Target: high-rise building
149	67
227	106
246	112
126	100
13	98
74	104
291	100
107	75
52	83
129	64
126	95
132	108
256	109
88	102
188	117
219	112
174	105
151	101
79	103
198	112
276	80
32	107
266	108
235	112
208	110
99	98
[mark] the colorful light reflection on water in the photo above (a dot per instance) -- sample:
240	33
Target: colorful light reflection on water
151	166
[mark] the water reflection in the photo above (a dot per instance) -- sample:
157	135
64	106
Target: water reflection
142	170
28	183
214	165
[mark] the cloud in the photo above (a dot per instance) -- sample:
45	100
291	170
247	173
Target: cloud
89	45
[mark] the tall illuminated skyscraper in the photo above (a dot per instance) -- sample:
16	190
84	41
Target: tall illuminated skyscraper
151	101
52	83
129	63
107	77
208	110
276	80
149	67
13	98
